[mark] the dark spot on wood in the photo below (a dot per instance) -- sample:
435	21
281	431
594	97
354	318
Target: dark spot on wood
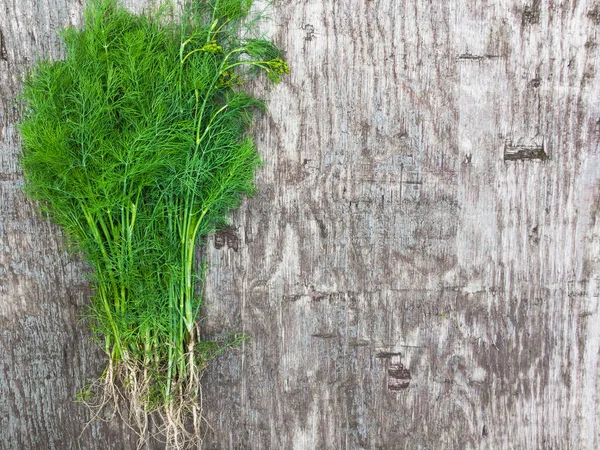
227	237
387	355
322	229
531	13
324	335
535	83
594	14
398	377
516	152
484	432
467	160
471	57
310	32
316	296
354	342
534	235
292	297
3	52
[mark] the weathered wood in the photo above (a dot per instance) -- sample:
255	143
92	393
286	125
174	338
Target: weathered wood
404	283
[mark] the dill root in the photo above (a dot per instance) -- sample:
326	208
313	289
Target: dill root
136	144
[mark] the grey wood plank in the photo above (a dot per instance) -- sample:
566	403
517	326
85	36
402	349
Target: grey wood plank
409	275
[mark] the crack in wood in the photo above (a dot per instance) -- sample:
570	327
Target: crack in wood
387	355
516	152
471	57
3	52
356	342
325	335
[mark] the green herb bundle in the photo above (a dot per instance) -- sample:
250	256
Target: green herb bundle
136	144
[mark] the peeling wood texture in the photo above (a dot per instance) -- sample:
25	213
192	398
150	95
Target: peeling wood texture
405	284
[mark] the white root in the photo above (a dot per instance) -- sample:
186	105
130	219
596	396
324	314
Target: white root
124	390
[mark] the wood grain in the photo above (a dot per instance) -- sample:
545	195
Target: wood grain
404	283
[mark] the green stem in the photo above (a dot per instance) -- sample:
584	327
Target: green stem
112	281
103	296
208	127
171	343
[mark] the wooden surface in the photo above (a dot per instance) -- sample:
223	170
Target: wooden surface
421	267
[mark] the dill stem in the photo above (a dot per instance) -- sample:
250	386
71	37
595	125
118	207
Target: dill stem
100	243
213	21
172	342
210	91
182	294
130	226
189	293
109	240
247	63
103	295
209	126
147	347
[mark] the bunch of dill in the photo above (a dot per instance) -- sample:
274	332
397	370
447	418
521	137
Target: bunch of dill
136	144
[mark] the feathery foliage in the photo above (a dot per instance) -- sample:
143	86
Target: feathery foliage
136	145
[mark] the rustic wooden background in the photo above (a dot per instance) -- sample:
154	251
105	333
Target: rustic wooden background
421	267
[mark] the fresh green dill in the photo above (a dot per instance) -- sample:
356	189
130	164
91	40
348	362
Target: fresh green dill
137	145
